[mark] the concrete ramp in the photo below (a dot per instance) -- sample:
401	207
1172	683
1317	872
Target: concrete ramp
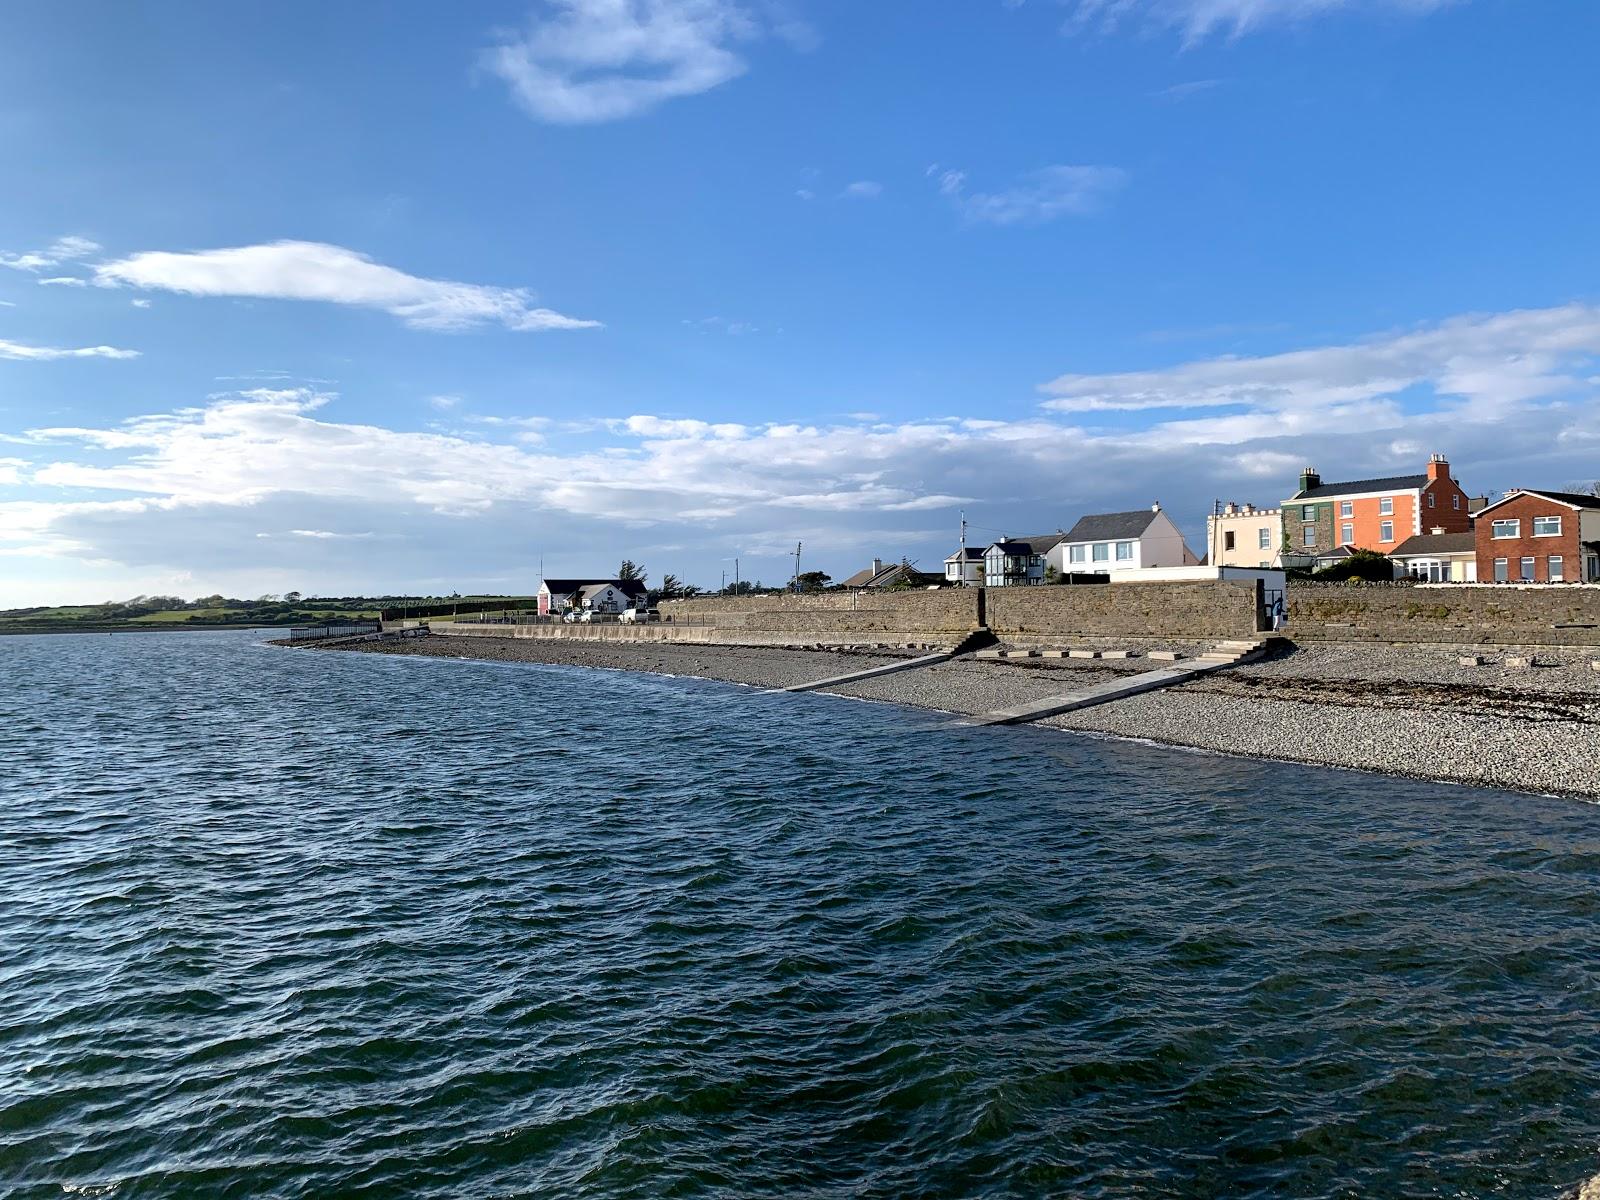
1220	659
909	664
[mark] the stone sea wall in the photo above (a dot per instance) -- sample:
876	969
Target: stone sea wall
1544	615
1199	610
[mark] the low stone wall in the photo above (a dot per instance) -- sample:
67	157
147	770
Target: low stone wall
1545	615
701	634
1199	610
951	613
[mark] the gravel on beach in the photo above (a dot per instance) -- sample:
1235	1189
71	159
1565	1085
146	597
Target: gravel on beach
1413	710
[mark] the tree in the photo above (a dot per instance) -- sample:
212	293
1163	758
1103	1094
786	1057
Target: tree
1367	565
671	587
1051	575
631	570
812	581
291	597
1591	488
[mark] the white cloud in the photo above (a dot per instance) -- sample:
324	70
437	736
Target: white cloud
333	275
1198	19
444	403
11	470
25	353
585	61
64	281
63	249
863	189
1037	197
1486	365
139	303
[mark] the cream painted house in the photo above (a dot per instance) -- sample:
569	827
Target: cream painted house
1242	535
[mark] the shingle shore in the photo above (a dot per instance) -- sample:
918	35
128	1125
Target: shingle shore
1412	711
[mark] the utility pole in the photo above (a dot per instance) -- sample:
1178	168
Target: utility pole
723	590
961	553
797	546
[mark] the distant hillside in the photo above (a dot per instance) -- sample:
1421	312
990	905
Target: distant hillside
221	612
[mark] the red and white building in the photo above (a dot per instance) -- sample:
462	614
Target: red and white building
1324	521
1539	537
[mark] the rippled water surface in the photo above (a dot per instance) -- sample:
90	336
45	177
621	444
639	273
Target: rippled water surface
287	924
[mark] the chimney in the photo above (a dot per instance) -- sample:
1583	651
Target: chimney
1437	467
1309	479
877	566
1156	507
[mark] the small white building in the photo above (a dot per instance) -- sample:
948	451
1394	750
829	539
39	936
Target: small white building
1109	543
557	596
965	567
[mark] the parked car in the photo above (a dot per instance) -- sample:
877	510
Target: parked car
637	616
586	616
571	616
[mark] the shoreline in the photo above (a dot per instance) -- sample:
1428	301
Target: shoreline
1378	709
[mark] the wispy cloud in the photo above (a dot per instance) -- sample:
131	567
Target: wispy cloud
333	275
1183	91
1037	197
586	61
25	353
862	189
1198	19
62	250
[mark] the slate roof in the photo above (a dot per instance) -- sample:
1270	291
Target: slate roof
974	554
1436	543
890	574
1041	543
631	588
1108	527
1393	483
1577	499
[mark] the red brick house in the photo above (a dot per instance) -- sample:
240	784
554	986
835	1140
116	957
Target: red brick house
1539	537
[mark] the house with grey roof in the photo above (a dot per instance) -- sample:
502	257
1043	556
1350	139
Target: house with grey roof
883	575
1011	562
556	596
1106	543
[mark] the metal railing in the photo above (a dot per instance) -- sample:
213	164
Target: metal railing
332	629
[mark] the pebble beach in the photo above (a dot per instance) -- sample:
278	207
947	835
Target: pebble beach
1415	711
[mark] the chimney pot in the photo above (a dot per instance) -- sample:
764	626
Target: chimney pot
877	565
1156	507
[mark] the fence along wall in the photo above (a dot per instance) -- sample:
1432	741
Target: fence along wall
1543	615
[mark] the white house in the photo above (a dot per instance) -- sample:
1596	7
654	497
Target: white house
965	566
556	596
1107	543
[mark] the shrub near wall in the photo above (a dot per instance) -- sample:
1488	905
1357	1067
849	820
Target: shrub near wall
1211	609
1554	615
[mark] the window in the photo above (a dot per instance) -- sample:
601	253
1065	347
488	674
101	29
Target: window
1455	502
1347	508
1347	534
1264	539
1500	573
1555	571
1308	512
1227	543
1509	528
1527	570
1076	553
1594	568
1386	531
1102	551
1430	500
1308	535
1125	549
1386	506
1547	527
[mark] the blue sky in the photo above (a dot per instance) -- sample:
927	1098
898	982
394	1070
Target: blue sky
296	298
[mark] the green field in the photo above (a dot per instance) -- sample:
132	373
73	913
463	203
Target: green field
229	614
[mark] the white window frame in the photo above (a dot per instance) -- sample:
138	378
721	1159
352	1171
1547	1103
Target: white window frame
1263	538
1556	532
1527	569
1347	534
1555	568
1101	552
1455	502
1308	534
1386	506
1502	570
1431	503
1505	529
1308	512
1077	554
1347	508
1128	546
1386	531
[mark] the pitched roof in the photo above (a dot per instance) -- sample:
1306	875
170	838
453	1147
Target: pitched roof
1355	487
973	553
1039	543
1436	543
1103	527
565	587
1576	499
